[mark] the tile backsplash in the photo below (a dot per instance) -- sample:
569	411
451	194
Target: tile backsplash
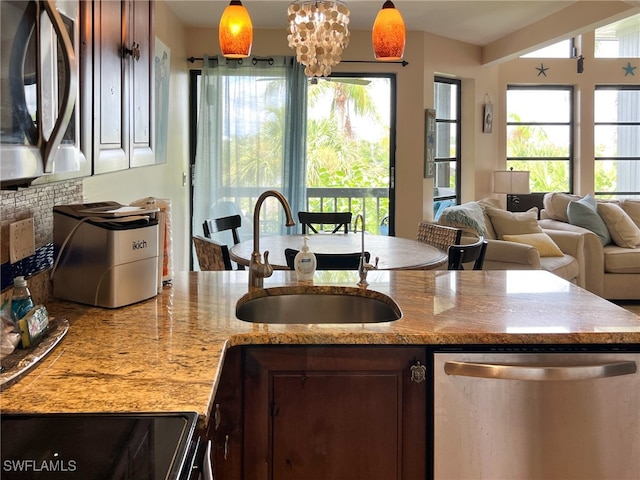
36	202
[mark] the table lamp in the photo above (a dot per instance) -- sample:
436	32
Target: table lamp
513	183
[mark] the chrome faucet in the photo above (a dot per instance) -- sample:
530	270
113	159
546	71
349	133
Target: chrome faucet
258	271
363	267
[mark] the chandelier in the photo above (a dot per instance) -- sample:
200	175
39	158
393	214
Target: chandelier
318	32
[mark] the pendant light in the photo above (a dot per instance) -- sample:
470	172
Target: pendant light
235	32
388	34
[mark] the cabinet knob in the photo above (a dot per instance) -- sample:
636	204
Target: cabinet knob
418	373
134	51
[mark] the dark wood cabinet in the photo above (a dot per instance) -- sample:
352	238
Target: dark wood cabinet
122	81
334	412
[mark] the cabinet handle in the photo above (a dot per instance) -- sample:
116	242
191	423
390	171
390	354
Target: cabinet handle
226	446
134	51
539	372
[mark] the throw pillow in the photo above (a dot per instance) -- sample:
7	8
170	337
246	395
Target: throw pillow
513	223
623	231
484	203
555	205
541	241
584	213
632	208
468	217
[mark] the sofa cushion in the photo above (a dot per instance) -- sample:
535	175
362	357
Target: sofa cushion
621	260
632	208
555	205
513	223
541	241
468	217
623	231
584	213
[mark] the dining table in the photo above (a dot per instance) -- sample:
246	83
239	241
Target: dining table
391	253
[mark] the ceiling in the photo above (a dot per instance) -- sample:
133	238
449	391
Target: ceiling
478	22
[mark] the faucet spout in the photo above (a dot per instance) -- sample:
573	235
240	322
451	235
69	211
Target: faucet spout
363	267
258	271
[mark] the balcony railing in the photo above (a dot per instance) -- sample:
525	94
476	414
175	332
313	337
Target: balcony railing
372	203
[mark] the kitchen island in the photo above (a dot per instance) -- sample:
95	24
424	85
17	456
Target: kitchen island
166	353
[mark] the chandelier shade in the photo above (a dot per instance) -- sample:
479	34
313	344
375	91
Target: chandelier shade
319	33
235	32
389	33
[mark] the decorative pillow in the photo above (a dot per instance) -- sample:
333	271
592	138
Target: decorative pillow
468	217
623	231
484	203
632	208
584	213
513	223
541	241
555	205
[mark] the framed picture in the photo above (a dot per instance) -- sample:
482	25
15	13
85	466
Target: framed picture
487	122
429	143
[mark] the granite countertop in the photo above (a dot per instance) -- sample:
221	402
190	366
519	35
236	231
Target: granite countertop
165	354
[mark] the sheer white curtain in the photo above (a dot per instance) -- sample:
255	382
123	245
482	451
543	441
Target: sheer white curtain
251	138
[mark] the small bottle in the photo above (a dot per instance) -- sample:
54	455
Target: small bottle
21	301
305	262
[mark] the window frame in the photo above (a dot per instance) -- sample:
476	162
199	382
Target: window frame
618	123
458	129
570	159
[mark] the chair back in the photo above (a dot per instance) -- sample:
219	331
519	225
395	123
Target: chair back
330	261
440	236
473	252
339	220
215	225
212	256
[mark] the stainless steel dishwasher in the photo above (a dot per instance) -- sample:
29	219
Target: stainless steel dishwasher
536	416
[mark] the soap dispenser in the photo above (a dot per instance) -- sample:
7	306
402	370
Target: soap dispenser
305	262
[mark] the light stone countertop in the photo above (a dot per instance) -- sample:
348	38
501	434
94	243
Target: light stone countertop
165	354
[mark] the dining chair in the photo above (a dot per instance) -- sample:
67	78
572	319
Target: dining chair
339	220
473	252
440	236
212	256
222	224
330	261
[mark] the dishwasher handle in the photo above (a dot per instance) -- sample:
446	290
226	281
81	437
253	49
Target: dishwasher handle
540	372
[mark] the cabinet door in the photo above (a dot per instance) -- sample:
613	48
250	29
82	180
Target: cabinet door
110	129
123	89
339	413
142	81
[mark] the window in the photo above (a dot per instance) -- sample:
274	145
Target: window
619	40
561	49
617	140
539	135
447	93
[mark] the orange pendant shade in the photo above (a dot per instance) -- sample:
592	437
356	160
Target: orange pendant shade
389	33
235	32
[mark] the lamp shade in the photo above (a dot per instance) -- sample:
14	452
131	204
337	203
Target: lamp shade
235	32
511	182
389	34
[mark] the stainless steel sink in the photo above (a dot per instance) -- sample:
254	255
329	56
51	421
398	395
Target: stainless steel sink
316	304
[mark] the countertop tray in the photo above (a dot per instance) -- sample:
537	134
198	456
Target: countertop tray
17	364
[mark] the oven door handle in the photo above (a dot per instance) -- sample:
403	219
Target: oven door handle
540	372
50	146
